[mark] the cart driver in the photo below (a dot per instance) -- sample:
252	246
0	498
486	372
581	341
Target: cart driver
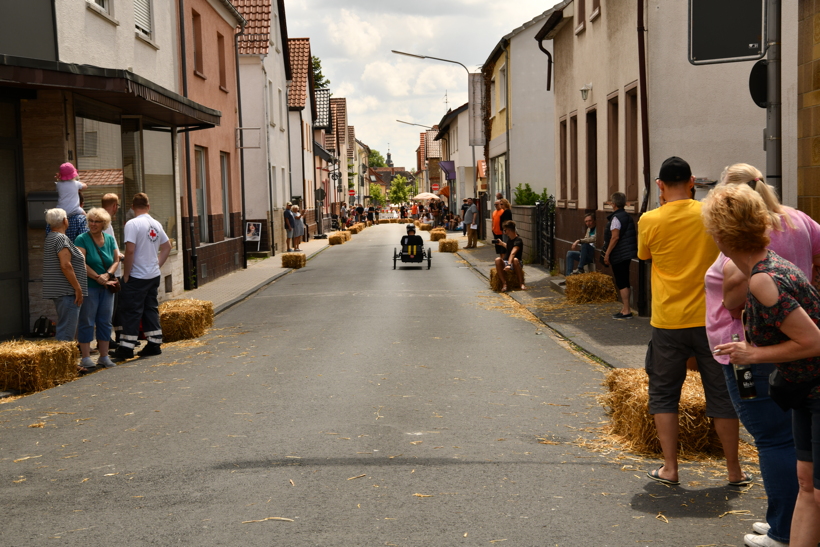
411	243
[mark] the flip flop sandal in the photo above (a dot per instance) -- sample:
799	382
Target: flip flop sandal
654	474
748	478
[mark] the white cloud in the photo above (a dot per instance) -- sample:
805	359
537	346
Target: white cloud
356	37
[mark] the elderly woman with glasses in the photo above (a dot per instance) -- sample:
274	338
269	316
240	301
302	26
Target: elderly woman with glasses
783	312
63	282
101	260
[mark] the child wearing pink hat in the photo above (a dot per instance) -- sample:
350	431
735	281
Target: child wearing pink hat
68	192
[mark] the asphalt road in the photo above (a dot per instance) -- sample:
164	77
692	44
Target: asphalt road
363	405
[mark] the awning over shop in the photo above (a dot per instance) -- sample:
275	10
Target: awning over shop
449	168
445	192
125	90
320	151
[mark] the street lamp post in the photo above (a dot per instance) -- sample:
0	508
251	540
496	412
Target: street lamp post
475	169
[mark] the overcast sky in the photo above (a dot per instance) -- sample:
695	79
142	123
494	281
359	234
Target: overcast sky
353	38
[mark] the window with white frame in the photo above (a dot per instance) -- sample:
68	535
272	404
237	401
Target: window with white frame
104	5
281	110
142	17
271	105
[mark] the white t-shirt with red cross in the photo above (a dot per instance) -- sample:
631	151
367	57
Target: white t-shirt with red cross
147	235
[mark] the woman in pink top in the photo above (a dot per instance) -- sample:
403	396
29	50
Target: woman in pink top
795	237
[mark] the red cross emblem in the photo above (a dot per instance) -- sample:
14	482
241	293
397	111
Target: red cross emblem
152	234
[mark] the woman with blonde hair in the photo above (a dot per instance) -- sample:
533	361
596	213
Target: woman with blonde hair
782	310
101	260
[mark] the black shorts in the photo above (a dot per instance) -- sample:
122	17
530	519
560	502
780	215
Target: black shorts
620	272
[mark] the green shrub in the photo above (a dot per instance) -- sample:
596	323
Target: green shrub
525	195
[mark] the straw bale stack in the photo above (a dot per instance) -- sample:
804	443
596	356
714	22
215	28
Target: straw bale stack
590	288
294	260
34	366
626	401
512	280
185	318
346	234
447	245
336	239
425	227
437	235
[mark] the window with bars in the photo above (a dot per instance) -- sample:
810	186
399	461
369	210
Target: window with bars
142	17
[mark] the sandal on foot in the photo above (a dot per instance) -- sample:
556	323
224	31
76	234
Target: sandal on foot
748	478
504	288
654	474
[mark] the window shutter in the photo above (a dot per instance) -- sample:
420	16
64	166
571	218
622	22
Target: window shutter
142	16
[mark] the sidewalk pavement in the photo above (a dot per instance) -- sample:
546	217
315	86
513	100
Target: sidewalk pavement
237	286
619	343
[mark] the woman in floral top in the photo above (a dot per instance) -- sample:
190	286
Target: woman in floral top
783	312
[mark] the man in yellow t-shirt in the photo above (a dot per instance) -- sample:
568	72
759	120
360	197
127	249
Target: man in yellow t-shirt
674	238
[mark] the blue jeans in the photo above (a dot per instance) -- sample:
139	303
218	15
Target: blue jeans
772	432
584	256
96	311
68	315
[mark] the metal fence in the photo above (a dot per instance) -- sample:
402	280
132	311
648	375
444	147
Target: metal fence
545	232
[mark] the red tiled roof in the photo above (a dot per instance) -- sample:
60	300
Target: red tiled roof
101	177
351	141
302	72
339	112
257	13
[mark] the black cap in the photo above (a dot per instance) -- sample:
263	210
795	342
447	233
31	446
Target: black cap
675	169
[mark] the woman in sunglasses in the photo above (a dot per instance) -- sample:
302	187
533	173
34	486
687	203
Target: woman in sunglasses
782	310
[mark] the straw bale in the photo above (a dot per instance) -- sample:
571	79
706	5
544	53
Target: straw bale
355	229
425	227
589	288
336	239
185	318
626	401
28	366
512	280
447	245
294	260
435	235
384	221
346	234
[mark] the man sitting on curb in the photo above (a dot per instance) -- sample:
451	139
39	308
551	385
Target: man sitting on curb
586	254
512	258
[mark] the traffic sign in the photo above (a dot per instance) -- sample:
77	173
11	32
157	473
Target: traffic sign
351	192
434	187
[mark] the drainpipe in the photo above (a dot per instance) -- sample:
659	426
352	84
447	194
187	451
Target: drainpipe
193	276
549	61
643	285
241	143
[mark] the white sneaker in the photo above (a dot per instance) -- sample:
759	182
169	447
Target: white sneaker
105	361
88	363
754	540
761	528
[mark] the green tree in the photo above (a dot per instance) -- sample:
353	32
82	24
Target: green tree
319	79
377	196
375	159
398	192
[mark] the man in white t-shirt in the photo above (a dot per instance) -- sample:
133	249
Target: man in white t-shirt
146	250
